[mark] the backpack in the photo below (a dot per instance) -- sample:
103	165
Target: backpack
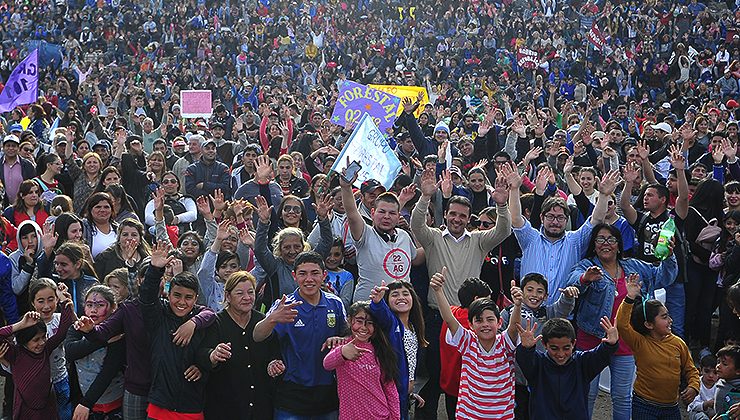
709	234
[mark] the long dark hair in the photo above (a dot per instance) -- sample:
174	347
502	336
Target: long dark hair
416	317
117	191
381	344
615	232
726	236
708	199
24	189
62	224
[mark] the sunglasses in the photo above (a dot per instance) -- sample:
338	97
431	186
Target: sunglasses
169	181
292	209
27	150
486	225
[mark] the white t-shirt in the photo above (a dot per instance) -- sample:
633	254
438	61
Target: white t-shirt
101	241
379	261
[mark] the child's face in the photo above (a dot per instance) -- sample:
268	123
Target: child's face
97	308
37	343
486	325
362	326
30	241
45	303
560	349
661	325
534	294
709	376
119	289
726	368
400	300
335	258
228	268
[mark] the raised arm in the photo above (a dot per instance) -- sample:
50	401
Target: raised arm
606	188
436	283
514	180
631	173
678	161
354	218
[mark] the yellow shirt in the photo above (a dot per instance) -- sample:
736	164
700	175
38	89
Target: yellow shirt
660	363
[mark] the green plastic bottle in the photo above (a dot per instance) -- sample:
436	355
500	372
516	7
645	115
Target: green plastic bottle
667	231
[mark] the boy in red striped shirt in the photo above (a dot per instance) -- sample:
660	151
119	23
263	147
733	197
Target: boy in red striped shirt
487	374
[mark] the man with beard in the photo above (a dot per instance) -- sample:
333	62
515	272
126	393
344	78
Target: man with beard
207	175
552	251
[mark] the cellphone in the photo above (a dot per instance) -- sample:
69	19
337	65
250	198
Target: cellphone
352	169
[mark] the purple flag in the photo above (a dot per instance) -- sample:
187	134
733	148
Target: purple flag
355	100
22	85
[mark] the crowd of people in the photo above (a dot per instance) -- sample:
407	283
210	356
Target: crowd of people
553	216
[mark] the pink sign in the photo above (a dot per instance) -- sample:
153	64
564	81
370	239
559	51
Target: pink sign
196	103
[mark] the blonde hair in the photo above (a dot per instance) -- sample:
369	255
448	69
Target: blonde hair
282	235
235	279
92	155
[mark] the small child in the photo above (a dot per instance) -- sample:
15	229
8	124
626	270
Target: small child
534	309
449	358
702	408
338	280
563	371
486	377
31	358
366	369
662	359
728	386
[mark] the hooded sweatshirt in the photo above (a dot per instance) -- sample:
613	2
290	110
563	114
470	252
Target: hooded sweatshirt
23	271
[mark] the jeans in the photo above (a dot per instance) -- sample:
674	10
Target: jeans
675	302
622	369
700	292
284	415
644	410
64	405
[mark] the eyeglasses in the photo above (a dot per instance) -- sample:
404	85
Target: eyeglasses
552	217
169	181
363	321
292	209
601	240
27	150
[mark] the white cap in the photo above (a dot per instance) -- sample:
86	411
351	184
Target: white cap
663	127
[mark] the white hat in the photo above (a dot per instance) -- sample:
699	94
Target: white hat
663	127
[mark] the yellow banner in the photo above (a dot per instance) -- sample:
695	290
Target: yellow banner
405	92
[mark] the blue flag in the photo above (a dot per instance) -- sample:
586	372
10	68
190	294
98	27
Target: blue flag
22	85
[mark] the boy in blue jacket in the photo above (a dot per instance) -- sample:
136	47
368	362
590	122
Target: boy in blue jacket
559	379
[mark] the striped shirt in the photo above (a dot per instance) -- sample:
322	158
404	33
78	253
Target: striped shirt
486	378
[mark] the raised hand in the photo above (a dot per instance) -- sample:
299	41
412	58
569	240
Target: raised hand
263	169
63	292
512	176
158	199
445	184
263	211
204	207
501	191
222	232
643	150
516	294
221	353
246	237
352	352
542	179
285	311
29	319
428	183
376	295
609	182
634	285
532	154
438	280
591	275
729	149
717	155
612	335
323	206
219	203
526	335
48	236
678	161
570	292
568	168
160	254
631	172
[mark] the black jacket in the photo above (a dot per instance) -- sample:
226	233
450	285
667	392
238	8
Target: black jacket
170	390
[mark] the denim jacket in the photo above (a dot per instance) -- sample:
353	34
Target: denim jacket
597	299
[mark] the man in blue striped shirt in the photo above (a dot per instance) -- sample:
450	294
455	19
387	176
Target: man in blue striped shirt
552	251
